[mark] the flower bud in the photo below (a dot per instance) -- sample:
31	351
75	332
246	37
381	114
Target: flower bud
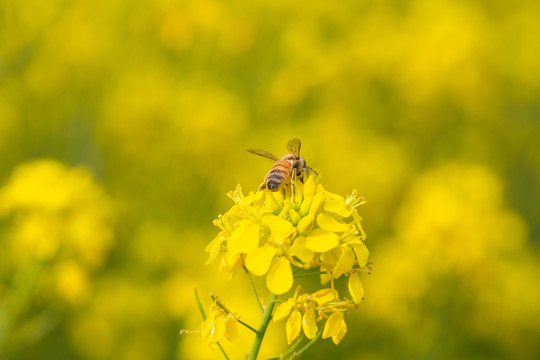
295	217
306	224
272	203
306	204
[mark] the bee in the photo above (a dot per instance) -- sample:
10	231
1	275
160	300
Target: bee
289	167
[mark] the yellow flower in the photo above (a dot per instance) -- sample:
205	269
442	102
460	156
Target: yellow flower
306	310
218	325
269	233
335	327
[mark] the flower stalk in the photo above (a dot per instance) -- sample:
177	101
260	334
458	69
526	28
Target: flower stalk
254	290
267	316
309	344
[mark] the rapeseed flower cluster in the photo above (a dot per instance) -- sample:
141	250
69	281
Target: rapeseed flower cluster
302	230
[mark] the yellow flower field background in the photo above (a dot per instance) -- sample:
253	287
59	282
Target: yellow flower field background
123	125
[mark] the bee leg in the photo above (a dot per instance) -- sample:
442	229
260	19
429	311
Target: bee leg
262	186
304	171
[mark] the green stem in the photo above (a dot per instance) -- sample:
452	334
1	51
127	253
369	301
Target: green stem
254	290
267	315
222	351
310	274
309	344
201	310
246	325
294	347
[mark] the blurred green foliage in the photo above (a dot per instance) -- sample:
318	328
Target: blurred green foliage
123	124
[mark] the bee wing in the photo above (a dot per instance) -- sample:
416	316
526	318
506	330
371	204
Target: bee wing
263	154
294	147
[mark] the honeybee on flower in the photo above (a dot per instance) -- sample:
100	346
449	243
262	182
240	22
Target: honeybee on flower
286	168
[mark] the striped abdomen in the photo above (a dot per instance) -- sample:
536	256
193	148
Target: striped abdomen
279	175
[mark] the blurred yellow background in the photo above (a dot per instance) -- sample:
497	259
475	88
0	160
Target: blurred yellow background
123	124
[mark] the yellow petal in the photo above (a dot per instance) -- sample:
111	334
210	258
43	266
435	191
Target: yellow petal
321	241
355	288
305	206
336	205
362	253
324	296
299	250
213	329
342	331
328	223
272	203
244	239
280	278
333	325
258	262
214	247
309	187
283	310
317	203
294	324
231	328
305	225
279	227
229	263
309	324
251	198
207	329
345	262
279	196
